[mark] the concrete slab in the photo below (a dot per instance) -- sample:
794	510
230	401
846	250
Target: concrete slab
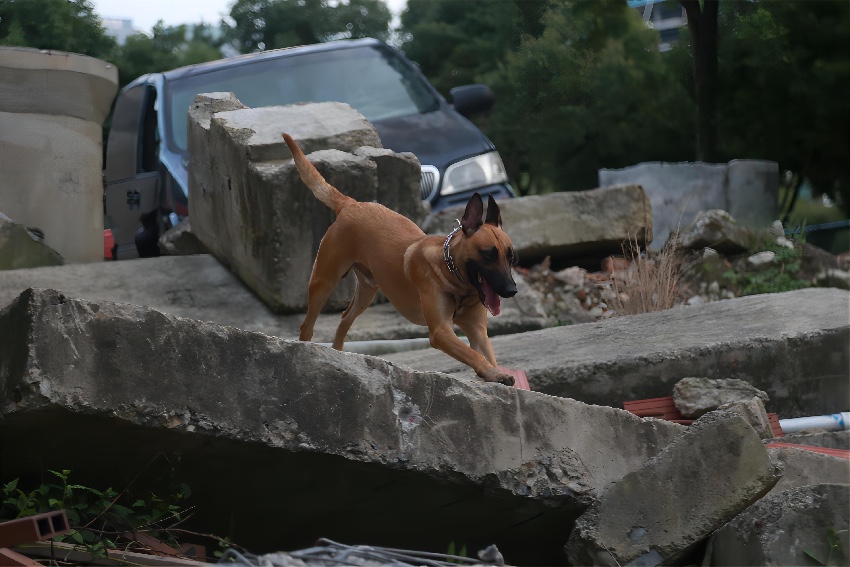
795	346
20	247
804	467
788	528
657	513
580	226
283	441
199	287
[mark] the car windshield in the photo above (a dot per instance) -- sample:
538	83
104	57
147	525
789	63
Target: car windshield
372	80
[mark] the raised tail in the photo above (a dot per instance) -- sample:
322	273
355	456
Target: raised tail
324	191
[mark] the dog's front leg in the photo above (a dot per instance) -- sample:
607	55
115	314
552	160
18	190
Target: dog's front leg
438	310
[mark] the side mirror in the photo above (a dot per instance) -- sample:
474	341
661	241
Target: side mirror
472	99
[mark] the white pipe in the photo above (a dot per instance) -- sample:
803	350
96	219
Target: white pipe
834	422
386	346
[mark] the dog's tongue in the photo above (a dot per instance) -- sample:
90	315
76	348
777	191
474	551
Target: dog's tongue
491	298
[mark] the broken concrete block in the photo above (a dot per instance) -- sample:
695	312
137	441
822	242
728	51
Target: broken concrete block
398	181
181	241
697	396
22	248
718	230
795	346
804	467
749	189
820	438
703	479
753	413
335	439
579	226
249	206
794	527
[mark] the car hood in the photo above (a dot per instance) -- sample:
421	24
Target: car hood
442	137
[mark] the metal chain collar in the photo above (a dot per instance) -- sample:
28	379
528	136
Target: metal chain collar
450	263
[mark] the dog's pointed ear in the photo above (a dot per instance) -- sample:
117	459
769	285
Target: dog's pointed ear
494	216
473	216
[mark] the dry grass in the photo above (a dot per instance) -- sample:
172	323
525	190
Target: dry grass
651	280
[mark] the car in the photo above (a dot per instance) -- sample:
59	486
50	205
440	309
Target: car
146	187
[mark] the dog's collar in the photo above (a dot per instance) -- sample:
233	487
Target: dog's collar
450	263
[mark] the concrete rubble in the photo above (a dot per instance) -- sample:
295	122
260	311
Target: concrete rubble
748	189
200	287
754	413
716	229
249	206
695	396
577	227
795	346
321	430
656	513
794	527
804	467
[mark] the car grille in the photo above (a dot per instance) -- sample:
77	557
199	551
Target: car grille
429	181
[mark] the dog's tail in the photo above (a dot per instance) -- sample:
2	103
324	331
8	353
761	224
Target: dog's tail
324	191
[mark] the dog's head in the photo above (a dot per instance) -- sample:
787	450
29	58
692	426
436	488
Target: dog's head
488	253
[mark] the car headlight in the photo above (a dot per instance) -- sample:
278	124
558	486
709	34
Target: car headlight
479	171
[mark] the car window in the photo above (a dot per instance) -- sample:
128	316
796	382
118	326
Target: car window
372	80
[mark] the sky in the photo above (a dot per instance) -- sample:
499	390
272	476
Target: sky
174	12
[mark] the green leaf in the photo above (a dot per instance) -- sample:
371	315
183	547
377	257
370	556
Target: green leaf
54	502
139	504
76	536
10	486
815	557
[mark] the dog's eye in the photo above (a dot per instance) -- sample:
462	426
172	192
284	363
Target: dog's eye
490	254
512	257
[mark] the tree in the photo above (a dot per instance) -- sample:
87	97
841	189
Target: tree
590	91
272	24
166	48
457	43
65	25
784	68
702	26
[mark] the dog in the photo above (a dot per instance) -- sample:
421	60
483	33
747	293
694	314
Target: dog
430	280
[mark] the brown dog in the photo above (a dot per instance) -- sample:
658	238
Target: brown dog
430	280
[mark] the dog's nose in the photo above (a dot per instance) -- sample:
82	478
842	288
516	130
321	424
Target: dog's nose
510	290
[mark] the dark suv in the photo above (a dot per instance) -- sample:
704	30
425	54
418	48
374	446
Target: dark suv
146	180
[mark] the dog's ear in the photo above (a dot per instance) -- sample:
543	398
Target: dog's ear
494	216
473	216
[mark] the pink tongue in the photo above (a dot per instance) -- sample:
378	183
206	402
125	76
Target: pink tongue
491	299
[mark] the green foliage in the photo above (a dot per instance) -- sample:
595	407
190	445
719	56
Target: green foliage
455	552
779	276
783	74
836	554
65	25
97	517
272	24
587	94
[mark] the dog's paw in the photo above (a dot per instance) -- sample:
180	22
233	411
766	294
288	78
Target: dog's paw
496	375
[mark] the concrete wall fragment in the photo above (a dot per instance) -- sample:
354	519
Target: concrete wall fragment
52	106
248	205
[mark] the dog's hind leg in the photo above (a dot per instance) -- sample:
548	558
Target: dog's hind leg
332	263
365	290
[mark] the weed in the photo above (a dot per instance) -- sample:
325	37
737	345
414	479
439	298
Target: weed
651	281
836	554
779	276
97	517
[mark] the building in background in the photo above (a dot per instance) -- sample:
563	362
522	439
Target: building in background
665	17
119	28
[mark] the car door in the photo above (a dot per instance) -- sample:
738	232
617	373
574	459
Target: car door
132	174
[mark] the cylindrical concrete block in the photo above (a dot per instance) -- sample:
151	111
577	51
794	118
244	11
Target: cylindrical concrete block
52	107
